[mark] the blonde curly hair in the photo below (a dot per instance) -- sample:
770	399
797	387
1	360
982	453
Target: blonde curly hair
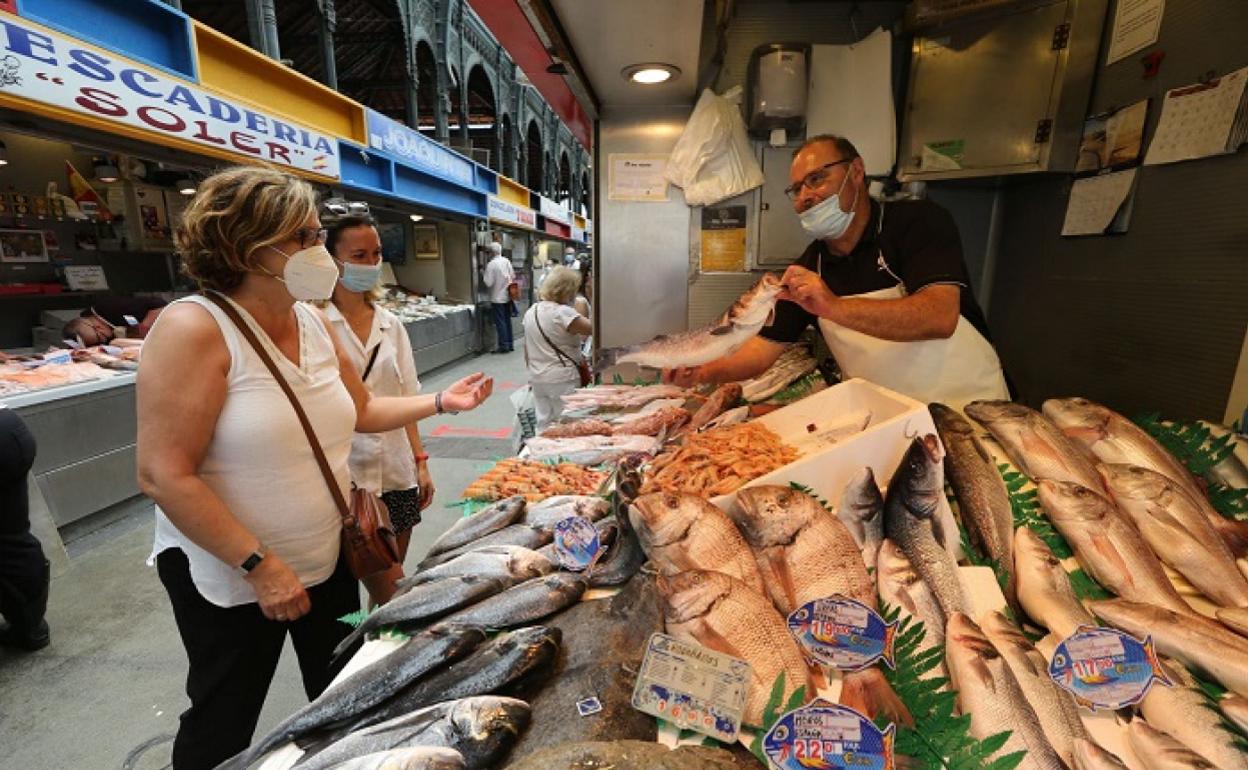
235	213
560	285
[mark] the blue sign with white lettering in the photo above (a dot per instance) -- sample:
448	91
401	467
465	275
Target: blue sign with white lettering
409	146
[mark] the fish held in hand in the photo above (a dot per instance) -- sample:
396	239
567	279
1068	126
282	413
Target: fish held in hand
681	532
747	316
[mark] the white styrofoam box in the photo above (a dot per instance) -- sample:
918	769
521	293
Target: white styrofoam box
895	420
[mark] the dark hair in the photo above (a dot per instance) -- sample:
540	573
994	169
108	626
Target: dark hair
335	227
843	146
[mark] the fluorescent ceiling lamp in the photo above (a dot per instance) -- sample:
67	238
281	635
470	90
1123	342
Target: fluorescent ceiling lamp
417	217
186	186
4	154
650	73
106	172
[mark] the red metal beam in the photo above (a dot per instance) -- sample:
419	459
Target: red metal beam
507	21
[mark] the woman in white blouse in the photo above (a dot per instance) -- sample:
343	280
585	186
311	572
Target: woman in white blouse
394	464
553	332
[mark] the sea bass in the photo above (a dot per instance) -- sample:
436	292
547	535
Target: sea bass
862	511
1182	712
750	313
412	758
1090	756
523	603
720	612
910	521
1055	708
520	534
901	587
1044	587
510	563
552	510
1107	545
1159	751
1035	444
471	528
1202	644
1179	532
988	691
681	532
420	605
368	687
1233	470
482	729
983	500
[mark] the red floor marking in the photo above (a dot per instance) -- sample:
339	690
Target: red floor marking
450	430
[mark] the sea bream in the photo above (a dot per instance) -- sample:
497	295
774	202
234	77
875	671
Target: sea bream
1034	444
983	500
862	511
1108	545
1179	532
718	611
911	520
1044	587
988	691
681	532
749	314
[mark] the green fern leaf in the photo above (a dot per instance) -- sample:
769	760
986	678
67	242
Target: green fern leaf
354	619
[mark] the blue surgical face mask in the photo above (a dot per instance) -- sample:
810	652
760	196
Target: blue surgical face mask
826	220
360	277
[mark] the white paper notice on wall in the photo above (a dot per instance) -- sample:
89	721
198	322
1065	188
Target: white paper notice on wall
634	177
1096	201
1136	26
86	278
851	94
1201	120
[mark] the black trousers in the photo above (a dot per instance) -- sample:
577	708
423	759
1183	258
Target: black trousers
502	326
233	652
23	567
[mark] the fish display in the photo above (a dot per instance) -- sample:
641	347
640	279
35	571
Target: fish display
471	528
591	450
683	532
720	612
481	729
793	364
505	659
422	603
1159	751
724	397
552	510
533	480
511	563
989	692
1235	619
747	316
1113	438
620	396
1090	756
1176	527
368	687
1044	588
911	521
1055	708
862	511
1233	470
524	535
983	500
1034	444
664	421
1235	709
1107	545
1204	646
531	600
411	758
1182	712
900	586
589	426
623	559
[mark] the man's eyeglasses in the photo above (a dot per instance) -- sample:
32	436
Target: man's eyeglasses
310	236
814	178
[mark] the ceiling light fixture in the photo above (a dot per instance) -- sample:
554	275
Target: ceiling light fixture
417	217
106	172
650	73
185	186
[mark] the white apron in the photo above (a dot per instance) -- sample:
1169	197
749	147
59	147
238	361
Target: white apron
954	371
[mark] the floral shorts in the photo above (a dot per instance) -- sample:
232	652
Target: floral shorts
404	507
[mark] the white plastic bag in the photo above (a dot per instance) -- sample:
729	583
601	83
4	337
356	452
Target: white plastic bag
525	426
713	160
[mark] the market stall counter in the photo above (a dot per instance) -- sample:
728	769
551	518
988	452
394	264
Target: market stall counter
440	332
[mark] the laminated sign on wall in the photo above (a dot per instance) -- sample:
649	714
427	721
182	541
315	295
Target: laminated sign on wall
723	239
633	177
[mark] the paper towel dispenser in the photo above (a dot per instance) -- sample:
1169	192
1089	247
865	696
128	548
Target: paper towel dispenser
776	89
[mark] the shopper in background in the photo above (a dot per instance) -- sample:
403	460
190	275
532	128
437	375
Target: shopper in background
570	260
586	308
498	276
114	318
24	571
247	531
552	344
393	464
884	282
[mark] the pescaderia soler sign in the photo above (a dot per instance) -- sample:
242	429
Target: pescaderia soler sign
43	66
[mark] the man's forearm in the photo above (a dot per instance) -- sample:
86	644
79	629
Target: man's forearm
909	319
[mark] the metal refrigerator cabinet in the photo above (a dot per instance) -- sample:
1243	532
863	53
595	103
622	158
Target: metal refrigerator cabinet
1000	93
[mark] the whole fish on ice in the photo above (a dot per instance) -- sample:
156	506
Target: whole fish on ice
681	532
1034	444
1044	587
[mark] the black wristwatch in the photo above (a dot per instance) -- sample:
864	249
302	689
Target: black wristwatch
252	561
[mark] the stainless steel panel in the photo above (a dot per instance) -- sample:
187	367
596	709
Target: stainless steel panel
444	352
78	490
781	239
641	249
711	294
70	429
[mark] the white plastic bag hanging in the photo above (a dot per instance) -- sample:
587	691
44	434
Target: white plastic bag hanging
713	160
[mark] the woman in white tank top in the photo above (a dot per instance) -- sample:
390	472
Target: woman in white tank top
247	531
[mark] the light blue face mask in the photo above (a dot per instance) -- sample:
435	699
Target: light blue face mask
360	277
825	220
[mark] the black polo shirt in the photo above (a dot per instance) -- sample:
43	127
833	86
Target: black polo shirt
915	245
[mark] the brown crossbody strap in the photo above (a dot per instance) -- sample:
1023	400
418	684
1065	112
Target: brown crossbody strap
317	451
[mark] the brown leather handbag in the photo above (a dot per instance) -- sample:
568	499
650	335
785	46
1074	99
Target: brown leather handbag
368	540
